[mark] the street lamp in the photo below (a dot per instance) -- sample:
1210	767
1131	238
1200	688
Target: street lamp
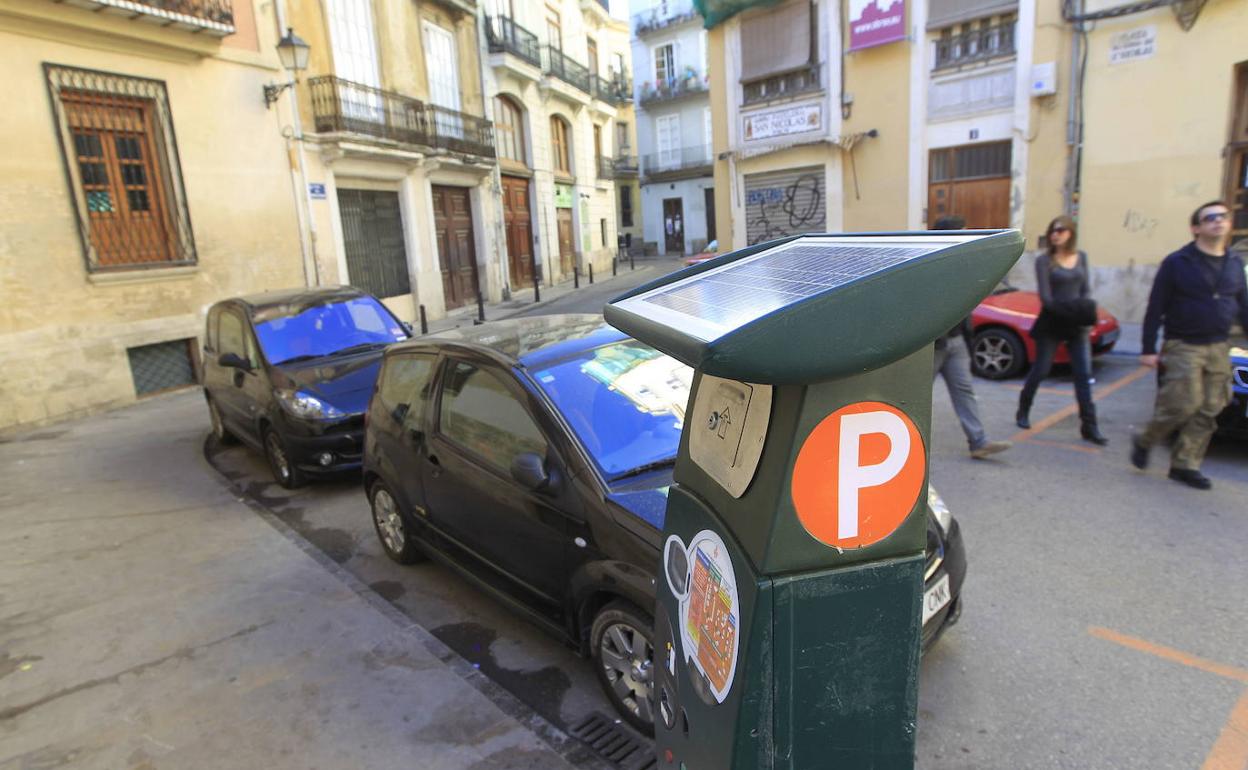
292	51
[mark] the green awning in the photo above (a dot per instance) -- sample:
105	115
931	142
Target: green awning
715	12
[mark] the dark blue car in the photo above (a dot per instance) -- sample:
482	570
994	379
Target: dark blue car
1234	419
534	457
291	372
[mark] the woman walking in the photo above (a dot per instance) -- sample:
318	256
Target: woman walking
1066	315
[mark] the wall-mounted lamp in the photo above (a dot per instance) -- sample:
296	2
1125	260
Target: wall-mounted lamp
292	51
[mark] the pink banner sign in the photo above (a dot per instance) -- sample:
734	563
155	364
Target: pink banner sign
876	22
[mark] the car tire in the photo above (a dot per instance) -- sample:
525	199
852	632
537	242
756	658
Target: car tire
997	354
284	470
395	530
622	644
220	433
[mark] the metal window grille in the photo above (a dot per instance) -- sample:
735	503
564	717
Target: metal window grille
121	161
372	232
162	366
974	161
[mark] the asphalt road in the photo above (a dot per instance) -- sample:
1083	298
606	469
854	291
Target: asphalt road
1105	610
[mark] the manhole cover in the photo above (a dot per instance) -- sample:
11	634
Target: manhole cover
615	743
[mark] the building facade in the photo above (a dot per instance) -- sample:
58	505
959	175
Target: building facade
557	78
674	126
131	206
884	116
398	155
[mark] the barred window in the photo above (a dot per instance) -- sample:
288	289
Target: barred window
122	162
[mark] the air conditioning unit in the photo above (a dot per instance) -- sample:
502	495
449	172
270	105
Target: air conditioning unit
1044	79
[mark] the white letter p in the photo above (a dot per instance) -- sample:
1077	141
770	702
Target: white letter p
852	477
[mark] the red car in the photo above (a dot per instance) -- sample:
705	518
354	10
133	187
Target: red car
1002	346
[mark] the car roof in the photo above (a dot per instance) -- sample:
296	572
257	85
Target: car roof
528	342
293	301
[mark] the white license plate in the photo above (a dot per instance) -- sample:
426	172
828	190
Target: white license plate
935	598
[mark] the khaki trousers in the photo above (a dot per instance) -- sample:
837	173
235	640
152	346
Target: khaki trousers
1195	388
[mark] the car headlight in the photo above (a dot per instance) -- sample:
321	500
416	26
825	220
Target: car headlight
1238	352
306	405
940	511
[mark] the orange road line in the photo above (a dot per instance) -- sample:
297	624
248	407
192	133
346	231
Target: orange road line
1230	752
1092	450
1042	389
1045	423
1176	656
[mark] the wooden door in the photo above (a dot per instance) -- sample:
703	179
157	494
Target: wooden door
674	226
567	246
516	222
457	254
710	213
983	203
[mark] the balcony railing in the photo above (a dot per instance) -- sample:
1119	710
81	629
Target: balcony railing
615	89
506	36
625	165
689	84
341	105
567	69
975	46
220	11
606	167
804	80
665	14
677	162
211	17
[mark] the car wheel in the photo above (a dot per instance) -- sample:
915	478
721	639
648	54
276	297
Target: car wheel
283	468
997	354
393	526
220	433
622	640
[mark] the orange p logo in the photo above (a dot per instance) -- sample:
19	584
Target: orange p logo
858	474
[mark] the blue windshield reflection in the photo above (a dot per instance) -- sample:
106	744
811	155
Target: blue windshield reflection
325	329
625	402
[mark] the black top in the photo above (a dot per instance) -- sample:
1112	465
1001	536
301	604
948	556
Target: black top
1193	307
1060	284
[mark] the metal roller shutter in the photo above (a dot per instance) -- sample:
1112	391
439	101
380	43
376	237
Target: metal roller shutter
781	203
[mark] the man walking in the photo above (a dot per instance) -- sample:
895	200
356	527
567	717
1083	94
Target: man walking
1197	293
953	362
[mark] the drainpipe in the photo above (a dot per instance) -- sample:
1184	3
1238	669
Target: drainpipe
303	197
1074	120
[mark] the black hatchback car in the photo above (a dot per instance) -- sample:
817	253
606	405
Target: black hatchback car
534	456
291	372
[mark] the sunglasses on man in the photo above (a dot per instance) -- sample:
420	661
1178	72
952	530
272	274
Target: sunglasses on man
1215	216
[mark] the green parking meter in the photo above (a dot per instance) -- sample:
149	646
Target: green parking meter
787	625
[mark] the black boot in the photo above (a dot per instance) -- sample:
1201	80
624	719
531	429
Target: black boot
1087	425
1022	418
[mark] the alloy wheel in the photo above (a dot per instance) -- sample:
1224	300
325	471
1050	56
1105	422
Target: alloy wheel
627	660
994	355
389	523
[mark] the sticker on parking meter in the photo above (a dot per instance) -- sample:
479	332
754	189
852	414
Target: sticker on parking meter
858	475
710	610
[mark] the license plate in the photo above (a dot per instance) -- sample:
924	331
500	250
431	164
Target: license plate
1109	338
935	598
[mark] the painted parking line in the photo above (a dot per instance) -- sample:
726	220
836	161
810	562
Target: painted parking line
1230	750
1043	424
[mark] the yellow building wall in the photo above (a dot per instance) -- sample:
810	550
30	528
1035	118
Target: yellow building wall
879	79
715	45
1155	131
1047	150
63	331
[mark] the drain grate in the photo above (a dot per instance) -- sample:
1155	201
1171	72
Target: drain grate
615	743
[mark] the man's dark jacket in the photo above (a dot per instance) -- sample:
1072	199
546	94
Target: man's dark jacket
1192	308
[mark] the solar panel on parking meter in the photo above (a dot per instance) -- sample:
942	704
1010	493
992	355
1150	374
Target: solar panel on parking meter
787	623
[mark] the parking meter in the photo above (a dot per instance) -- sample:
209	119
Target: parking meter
787	625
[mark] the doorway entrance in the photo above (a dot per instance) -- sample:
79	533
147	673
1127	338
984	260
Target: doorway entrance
673	226
972	182
457	253
517	224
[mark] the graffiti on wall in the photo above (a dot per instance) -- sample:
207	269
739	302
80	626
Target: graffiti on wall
779	211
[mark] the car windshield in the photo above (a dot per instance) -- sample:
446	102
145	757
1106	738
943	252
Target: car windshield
326	329
625	402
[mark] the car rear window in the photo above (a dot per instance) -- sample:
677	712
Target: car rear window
625	402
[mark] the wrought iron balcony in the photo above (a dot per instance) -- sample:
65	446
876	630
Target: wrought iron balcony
567	69
691	83
343	106
615	89
975	46
665	14
677	163
213	17
625	165
606	167
503	35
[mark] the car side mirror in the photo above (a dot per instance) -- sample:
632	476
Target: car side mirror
233	361
529	469
407	327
